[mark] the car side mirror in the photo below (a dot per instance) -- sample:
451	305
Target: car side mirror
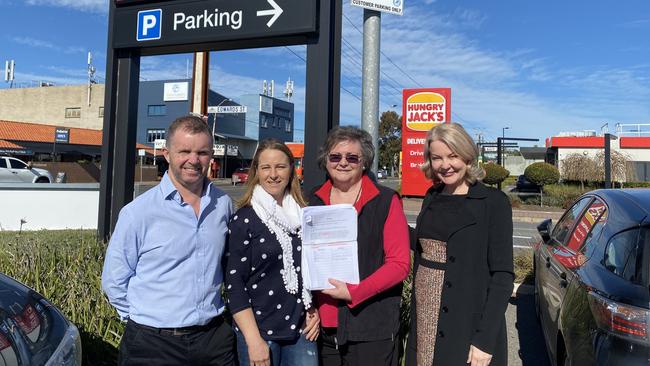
544	229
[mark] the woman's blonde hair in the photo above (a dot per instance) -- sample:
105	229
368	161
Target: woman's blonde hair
294	183
459	141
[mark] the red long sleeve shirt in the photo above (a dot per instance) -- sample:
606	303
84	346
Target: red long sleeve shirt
396	250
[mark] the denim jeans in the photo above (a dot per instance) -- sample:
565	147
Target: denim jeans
299	352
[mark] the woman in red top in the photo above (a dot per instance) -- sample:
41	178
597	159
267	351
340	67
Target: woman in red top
360	321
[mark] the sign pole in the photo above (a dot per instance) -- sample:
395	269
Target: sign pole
370	78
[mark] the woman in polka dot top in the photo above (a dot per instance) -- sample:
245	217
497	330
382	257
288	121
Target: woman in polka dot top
275	323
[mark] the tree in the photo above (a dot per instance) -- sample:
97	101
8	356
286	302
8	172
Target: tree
390	139
542	174
620	171
494	173
582	168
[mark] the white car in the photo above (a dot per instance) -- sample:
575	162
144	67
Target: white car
13	170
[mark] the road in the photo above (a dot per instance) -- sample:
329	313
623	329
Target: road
524	234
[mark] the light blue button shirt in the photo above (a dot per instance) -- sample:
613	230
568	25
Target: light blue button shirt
163	263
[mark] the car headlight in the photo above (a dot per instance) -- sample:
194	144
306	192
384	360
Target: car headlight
68	353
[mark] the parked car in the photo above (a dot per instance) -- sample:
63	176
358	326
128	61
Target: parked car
382	174
524	185
14	170
592	277
239	176
32	330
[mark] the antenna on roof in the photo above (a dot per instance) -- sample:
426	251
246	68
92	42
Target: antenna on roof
9	72
91	75
288	89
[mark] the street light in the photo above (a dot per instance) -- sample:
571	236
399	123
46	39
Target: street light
214	118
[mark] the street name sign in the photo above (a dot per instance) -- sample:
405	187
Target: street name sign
385	6
181	22
227	109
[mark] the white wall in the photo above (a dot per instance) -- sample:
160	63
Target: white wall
49	206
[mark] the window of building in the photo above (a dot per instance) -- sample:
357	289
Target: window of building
155	134
73	113
101	112
287	125
264	120
157	110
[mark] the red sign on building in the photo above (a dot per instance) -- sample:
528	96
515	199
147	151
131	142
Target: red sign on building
422	109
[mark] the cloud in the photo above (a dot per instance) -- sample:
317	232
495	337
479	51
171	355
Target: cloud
38	43
92	6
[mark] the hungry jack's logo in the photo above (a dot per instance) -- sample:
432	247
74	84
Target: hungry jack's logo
425	110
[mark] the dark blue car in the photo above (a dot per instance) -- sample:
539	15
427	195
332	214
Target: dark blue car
592	280
32	331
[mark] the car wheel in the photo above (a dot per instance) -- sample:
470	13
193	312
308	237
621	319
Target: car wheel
42	180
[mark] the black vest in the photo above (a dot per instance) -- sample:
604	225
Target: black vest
377	318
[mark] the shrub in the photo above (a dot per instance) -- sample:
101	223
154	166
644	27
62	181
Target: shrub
515	201
65	266
494	173
542	173
562	195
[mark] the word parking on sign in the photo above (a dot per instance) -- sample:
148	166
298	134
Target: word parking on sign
209	20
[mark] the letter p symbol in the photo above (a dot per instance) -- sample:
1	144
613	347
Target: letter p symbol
149	25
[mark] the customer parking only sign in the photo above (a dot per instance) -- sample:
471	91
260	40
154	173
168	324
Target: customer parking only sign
422	109
386	6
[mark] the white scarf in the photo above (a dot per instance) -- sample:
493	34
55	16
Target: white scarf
282	221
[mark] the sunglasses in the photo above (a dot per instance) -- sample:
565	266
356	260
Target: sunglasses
350	158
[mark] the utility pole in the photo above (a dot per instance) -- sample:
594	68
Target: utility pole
370	78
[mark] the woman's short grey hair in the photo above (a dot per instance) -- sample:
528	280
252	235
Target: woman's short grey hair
459	141
348	133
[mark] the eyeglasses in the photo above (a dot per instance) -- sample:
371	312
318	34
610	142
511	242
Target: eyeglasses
350	158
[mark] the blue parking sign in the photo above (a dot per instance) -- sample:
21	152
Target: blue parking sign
149	24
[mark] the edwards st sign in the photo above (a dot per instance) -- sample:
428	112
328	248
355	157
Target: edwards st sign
169	23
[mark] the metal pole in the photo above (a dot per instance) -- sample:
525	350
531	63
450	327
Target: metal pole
370	78
608	162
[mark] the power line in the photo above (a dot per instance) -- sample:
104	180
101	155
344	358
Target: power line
382	52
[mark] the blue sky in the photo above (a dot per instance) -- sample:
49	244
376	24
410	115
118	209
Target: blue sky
538	67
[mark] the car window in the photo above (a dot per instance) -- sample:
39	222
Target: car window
584	227
624	255
3	163
593	237
566	223
17	164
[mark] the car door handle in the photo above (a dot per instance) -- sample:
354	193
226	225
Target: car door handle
548	262
14	172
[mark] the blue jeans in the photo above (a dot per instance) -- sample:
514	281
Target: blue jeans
299	352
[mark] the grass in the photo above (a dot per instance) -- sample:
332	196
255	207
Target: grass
65	266
524	269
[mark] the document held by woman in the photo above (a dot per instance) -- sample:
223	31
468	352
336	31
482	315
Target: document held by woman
329	245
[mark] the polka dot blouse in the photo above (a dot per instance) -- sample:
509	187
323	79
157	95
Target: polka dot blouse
253	278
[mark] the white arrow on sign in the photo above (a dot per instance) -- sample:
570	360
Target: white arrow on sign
276	11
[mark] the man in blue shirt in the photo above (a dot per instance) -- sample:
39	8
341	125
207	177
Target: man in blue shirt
163	269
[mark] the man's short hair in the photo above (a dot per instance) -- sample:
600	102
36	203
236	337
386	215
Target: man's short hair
191	124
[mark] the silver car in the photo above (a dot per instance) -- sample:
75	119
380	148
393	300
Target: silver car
13	170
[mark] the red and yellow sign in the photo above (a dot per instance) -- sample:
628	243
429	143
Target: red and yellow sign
422	109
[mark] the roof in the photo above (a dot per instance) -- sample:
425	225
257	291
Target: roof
626	142
9	145
33	132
